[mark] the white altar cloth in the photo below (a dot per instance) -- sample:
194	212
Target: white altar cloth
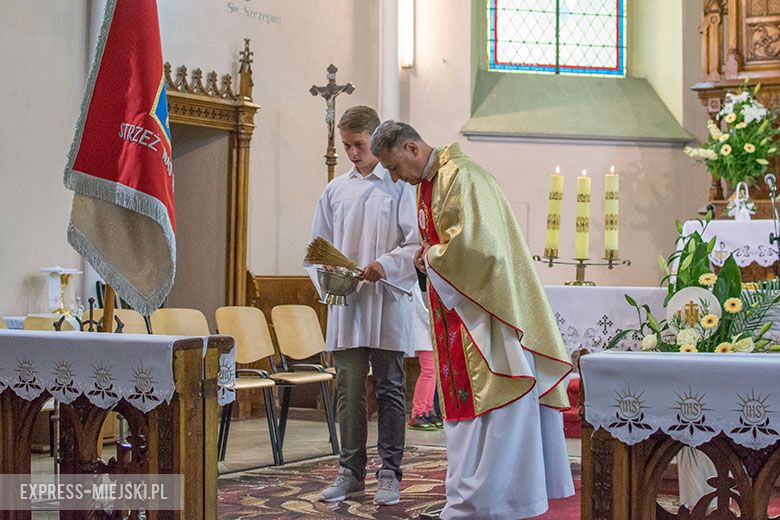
103	367
589	317
692	397
747	240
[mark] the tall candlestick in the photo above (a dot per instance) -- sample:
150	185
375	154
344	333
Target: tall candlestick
554	215
611	196
582	234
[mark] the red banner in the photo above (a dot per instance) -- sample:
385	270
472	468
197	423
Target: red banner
120	163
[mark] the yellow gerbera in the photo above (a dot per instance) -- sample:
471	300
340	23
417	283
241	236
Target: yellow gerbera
731	118
749	147
708	279
732	305
725	150
688	348
740	126
724	347
710	321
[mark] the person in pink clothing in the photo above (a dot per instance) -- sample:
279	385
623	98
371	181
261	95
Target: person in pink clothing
423	415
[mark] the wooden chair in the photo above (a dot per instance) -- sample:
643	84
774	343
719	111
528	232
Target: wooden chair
134	322
189	322
298	334
45	323
179	322
248	327
299	337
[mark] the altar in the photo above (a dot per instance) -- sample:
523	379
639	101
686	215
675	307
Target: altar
640	409
747	241
589	317
168	389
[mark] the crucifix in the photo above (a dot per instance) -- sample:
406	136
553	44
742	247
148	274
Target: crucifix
330	92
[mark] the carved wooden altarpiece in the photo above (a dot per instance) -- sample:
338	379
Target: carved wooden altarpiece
212	103
740	39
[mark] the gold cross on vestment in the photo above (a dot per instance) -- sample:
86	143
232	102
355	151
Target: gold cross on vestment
330	92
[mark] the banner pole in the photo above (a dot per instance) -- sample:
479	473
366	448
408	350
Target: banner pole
109	297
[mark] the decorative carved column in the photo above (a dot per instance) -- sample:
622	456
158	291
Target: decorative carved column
734	61
711	40
245	125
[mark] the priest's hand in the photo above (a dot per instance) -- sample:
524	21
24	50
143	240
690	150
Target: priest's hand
373	272
419	256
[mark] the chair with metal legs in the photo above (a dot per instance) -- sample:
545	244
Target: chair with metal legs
299	337
249	328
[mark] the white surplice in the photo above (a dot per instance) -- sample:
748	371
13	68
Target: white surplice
507	463
421	324
371	218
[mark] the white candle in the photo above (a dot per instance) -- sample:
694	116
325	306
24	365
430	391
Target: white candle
611	196
582	235
553	232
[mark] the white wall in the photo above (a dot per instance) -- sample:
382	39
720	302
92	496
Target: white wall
656	36
43	59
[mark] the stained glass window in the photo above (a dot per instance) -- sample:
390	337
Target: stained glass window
581	37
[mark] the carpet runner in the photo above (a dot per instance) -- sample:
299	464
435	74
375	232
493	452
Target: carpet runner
291	491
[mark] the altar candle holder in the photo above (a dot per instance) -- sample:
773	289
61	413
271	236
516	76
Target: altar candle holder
581	265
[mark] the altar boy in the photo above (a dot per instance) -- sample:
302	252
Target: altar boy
370	219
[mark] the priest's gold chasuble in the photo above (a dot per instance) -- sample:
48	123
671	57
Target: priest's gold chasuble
478	249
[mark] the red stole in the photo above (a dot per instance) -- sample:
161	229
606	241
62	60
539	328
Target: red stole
454	382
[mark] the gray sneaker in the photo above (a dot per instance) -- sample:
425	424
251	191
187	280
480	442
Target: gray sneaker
345	486
387	488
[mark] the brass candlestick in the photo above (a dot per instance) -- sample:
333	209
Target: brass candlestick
581	264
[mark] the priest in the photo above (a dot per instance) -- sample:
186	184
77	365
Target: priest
499	355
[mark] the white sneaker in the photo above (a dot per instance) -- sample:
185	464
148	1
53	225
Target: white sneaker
388	489
345	486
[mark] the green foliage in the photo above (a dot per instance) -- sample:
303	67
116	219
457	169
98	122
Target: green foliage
756	306
742	324
692	258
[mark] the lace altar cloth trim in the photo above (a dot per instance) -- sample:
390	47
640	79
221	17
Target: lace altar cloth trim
589	317
747	240
690	397
103	367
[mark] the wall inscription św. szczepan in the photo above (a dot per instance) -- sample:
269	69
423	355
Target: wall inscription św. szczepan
248	11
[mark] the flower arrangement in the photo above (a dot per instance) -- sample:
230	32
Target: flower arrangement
740	145
727	317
